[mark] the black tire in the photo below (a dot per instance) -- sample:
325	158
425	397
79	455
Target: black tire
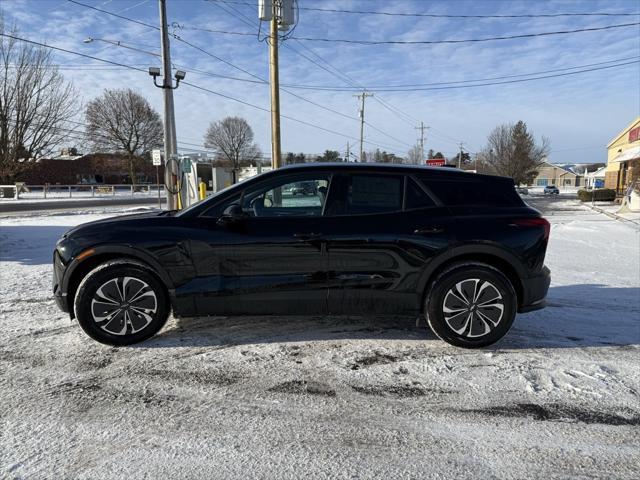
480	322
110	317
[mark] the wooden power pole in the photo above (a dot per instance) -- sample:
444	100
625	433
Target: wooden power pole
421	128
362	96
274	78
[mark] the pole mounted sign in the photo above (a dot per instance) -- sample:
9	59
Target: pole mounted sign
156	157
435	162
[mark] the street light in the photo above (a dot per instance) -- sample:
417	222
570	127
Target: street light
155	73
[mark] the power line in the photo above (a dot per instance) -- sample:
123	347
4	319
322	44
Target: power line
202	50
436	15
407	86
198	87
468	40
449	87
114	14
426	42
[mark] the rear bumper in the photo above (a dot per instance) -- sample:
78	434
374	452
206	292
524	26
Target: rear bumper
534	291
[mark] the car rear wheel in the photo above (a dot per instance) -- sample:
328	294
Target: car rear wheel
120	303
471	305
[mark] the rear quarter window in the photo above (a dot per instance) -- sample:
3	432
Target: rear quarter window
474	192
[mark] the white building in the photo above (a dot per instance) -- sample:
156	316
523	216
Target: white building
595	179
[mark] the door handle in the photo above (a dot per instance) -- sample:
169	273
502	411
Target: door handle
307	236
428	230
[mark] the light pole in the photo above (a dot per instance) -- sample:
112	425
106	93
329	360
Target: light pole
172	170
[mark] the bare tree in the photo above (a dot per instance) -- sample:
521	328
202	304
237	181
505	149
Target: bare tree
512	152
123	121
232	140
35	101
414	156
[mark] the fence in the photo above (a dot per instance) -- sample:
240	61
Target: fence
21	191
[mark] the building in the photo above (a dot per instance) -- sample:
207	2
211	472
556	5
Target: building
550	174
596	178
70	168
623	158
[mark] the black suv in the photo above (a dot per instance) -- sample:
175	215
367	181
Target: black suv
461	248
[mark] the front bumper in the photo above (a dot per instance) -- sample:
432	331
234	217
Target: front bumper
58	272
534	291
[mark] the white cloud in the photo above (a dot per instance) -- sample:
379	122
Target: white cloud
572	110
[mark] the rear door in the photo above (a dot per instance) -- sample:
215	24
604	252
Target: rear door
384	229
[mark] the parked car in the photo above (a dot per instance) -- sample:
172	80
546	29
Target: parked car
305	188
462	249
522	190
551	190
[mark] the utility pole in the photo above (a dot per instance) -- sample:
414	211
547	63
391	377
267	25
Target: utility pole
171	168
421	128
348	153
460	157
274	78
363	96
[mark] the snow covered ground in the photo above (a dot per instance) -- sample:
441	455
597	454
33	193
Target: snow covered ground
329	397
81	193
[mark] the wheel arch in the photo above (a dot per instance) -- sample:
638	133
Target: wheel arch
77	270
495	258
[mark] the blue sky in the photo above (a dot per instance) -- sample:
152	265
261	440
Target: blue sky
579	113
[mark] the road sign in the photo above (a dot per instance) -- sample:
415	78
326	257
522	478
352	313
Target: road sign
157	157
436	162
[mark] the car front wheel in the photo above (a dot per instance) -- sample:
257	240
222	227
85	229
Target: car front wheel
120	303
471	305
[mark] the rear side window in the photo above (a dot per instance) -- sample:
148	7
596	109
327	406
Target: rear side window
374	194
485	193
365	194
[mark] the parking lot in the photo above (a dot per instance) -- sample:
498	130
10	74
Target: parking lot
333	397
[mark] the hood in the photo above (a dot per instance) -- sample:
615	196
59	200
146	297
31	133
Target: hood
136	219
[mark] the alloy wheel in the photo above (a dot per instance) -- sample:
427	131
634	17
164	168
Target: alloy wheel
473	307
124	305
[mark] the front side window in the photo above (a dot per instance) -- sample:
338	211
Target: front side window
297	197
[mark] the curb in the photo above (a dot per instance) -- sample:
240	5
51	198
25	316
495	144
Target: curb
615	216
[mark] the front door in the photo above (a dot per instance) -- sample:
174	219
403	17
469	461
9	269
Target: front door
272	261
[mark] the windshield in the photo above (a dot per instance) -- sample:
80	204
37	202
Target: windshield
206	199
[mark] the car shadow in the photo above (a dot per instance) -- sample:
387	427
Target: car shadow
577	316
29	244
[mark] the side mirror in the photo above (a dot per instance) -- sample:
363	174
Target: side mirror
232	214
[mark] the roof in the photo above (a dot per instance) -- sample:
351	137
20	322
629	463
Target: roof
632	153
562	167
623	132
383	167
367	166
596	173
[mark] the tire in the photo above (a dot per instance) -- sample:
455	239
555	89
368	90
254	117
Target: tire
471	324
99	301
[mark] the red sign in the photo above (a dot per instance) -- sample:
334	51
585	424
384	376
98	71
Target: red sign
634	135
436	162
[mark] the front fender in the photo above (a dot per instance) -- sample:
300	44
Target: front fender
112	251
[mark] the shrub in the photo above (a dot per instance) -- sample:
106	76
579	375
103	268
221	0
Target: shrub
600	194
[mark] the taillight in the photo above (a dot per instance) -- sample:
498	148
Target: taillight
533	222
